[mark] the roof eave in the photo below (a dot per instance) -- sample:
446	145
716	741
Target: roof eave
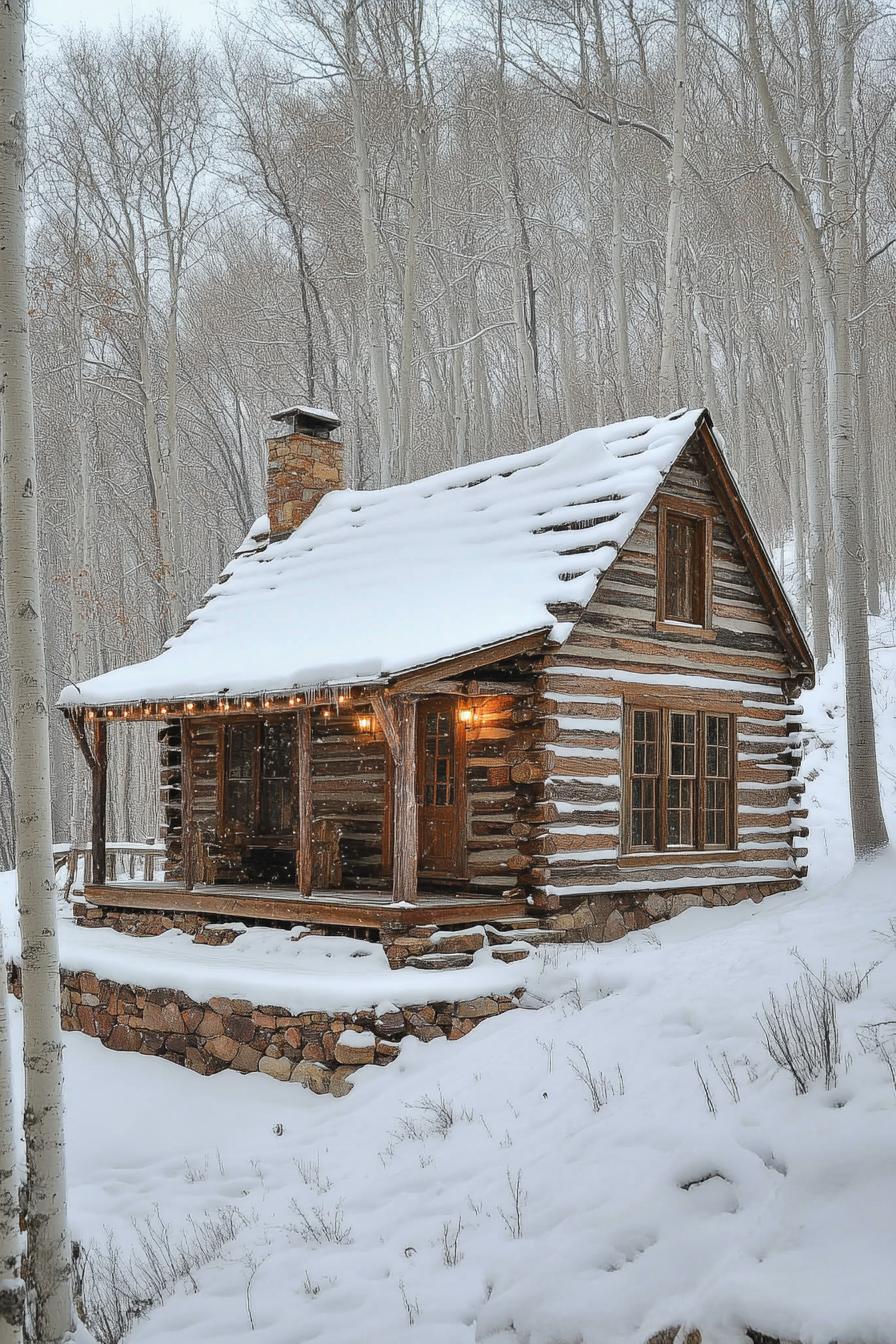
405	680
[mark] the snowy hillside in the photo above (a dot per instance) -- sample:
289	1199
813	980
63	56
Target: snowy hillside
625	1158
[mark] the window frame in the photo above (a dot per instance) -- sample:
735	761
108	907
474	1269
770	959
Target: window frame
662	852
253	835
669	506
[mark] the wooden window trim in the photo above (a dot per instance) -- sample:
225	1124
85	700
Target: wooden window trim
704	514
254	838
700	852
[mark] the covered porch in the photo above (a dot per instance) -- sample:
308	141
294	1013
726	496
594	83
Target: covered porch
358	809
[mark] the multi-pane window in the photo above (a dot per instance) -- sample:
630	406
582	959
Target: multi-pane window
644	779
276	791
239	774
258	785
679	785
438	768
717	748
684	545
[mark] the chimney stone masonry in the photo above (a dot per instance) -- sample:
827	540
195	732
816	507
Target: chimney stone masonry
304	464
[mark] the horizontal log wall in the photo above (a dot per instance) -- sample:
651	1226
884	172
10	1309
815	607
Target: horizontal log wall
348	786
570	759
492	797
215	861
170	798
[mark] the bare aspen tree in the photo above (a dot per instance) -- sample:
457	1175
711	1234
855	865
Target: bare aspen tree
131	135
416	81
374	303
617	189
268	132
459	241
833	282
522	283
45	1206
668	389
12	1290
814	467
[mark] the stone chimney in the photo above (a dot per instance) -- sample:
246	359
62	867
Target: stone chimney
304	464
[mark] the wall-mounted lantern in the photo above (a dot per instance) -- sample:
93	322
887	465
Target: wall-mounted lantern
469	716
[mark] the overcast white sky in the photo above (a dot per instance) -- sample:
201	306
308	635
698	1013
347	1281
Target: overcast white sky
50	17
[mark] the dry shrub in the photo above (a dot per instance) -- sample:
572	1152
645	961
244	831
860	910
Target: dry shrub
114	1288
801	1032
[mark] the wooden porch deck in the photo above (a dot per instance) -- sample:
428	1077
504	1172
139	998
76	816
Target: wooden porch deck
346	909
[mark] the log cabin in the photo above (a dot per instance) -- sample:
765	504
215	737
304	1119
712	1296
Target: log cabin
555	689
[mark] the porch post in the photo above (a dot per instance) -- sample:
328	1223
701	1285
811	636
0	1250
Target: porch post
98	773
188	846
404	844
304	851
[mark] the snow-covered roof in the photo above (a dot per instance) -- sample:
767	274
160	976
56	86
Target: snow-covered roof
375	583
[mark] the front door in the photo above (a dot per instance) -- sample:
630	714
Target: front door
440	789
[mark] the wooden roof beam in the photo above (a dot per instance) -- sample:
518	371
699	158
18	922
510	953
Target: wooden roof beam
431	676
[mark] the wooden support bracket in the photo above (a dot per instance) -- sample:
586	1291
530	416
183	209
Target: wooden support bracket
387	719
78	726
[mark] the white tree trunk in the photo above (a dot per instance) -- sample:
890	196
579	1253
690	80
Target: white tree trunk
419	174
833	291
521	260
170	606
819	601
795	490
12	1291
82	532
868	827
671	292
376	332
617	243
864	421
46	1224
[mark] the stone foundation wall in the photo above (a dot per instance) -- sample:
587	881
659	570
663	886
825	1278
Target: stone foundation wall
150	923
424	946
607	916
319	1050
601	918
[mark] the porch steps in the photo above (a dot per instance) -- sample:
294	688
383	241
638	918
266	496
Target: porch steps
512	953
441	961
523	930
447	949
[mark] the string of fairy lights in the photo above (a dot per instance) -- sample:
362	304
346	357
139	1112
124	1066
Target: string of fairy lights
326	705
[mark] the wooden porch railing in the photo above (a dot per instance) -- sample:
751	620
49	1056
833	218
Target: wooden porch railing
124	859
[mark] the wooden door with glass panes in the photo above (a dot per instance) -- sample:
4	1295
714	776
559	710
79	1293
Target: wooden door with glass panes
440	791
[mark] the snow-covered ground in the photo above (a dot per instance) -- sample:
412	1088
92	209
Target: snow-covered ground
490	1190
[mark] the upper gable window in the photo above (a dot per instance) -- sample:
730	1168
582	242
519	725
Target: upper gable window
684	565
684	578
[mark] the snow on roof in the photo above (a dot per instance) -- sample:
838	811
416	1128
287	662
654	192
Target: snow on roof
375	583
317	412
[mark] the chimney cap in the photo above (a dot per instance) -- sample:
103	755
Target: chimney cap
313	420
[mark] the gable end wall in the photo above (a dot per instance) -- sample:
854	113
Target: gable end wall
574	777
